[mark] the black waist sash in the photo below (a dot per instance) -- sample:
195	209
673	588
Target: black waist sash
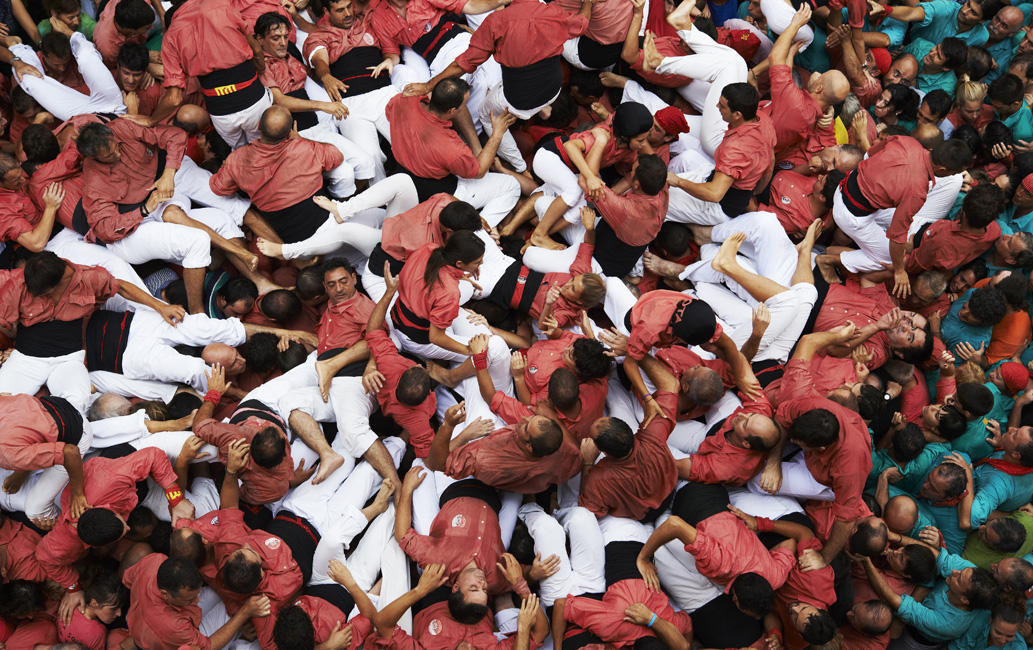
107	335
353	70
448	27
377	259
616	257
735	202
428	187
66	417
853	198
235	89
473	489
354	369
408	323
79	222
54	338
517	288
296	222
254	408
595	55
532	85
305	119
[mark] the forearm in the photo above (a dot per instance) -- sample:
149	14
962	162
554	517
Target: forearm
226	633
475	7
775	453
453	70
440	447
485	384
837	540
21	14
486	157
38	237
752	344
965	507
387	618
638	385
658	374
669	634
897	253
442	340
791	530
170	101
229	495
882	589
294	104
403	514
629	53
73	465
133	293
523	393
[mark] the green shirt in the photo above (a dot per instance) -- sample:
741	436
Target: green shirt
86	25
978	553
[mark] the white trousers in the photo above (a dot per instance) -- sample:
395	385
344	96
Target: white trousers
44	496
349	406
341	178
797	482
366	119
240	128
873	251
119	430
65	376
494	195
109	382
60	100
685	208
558	179
779	14
495	104
192	185
154	239
71	246
587	551
679	576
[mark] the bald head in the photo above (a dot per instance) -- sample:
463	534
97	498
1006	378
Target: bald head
193	119
108	405
225	356
276	124
929	135
900	514
1006	23
835	87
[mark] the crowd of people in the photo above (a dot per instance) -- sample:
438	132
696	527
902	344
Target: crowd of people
472	324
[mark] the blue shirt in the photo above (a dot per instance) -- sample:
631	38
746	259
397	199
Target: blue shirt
1020	122
954	331
944	518
996	490
941	21
936	618
977	637
945	80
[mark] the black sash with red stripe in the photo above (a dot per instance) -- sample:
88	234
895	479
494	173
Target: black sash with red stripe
853	199
66	417
353	69
448	27
408	323
107	335
253	408
517	288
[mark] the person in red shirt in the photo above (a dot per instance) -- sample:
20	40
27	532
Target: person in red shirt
121	22
701	382
130	73
438	160
234	95
798	200
19	544
163	612
946	244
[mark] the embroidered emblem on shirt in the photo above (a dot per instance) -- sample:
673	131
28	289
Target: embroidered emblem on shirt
215	520
435	627
273	543
786	200
459	521
367	38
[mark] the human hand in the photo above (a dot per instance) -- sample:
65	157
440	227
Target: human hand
553	294
237	455
54	196
132	102
191	449
21	68
217	378
589	451
638	614
544	568
413	90
528	613
969	353
499	123
182	510
171	314
510	568
70	602
258	606
78	505
651	410
478	429
384	66
810	560
748	519
761	319
588	217
455	414
615	341
413	478
946	361
44	522
517	364
771	478
340	574
334	87
890	319
931	536
433	576
994	428
336	109
479	343
372	381
648	572
901	285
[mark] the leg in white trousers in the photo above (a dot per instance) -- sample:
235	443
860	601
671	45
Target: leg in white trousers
60	100
240	128
52	481
779	13
680	578
71	246
685	208
873	245
154	239
494	195
549	539
587	550
109	382
64	376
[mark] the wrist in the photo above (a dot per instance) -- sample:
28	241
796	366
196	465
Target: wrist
174	496
213	396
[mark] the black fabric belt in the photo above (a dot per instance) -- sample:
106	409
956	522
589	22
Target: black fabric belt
853	198
517	288
353	69
531	86
735	201
107	335
616	257
377	259
427	187
54	338
254	408
474	489
67	418
354	369
448	27
296	222
305	119
408	323
226	81
595	55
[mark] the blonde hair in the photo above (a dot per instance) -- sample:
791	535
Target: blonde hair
969	91
593	290
969	372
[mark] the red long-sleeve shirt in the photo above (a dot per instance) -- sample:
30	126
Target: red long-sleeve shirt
258	485
522	33
30	439
896	174
725	549
719	461
88	289
199	30
414	419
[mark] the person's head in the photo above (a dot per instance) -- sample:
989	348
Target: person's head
1004	535
975	587
969	101
842	157
1005	94
912	340
973	400
281	305
870	617
340	13
564	389
268	447
236	298
903	71
986	307
982	204
738	103
1014	575
108	405
944	420
869	537
754	431
694	322
976	11
133	59
649	174
44	271
613	437
934	107
179	582
1005	23
632	123
1018	445
11	175
468	602
309	284
133	17
414	386
815	429
272	31
227	356
1005	618
195	121
20	599
900	514
448	97
752	594
587	359
928	135
897	101
1015	249
826	185
23	104
293	629
816	626
97	142
950	54
950	157
927	287
276	124
104	596
463	251
908	443
55	50
584	291
977	65
586	87
968	274
538	436
702	385
459	215
100	526
188	543
38	145
67	11
242	572
913	562
946	481
829	88
996	133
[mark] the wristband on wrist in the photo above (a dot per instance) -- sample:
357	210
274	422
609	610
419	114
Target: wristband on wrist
213	396
480	361
888	10
764	525
648	398
74	588
775	632
174	495
651	621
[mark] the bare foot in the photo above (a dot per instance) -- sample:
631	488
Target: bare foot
440	374
724	261
545	113
600	110
828	269
651	57
660	266
546	242
247	257
326	375
387	488
611	80
265	286
681	18
270	249
14	482
328	464
813	232
331	206
701	234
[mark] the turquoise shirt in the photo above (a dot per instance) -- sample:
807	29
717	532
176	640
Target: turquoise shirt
912	470
935	617
977	637
945	518
1020	122
954	331
945	80
996	490
941	21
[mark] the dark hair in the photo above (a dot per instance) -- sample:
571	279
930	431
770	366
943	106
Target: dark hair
988	306
989	8
61	6
908	443
268	447
832	181
918	353
181	405
706	390
590	360
1006	89
904	100
870	402
22	102
281	305
292	357
141	517
261	352
293	629
238	289
952	155
105	588
819	628
954	478
975	399
463	612
939	102
1010	532
1026	454
955	51
336	263
43	271
39	144
91	138
648	643
674	239
55	44
564	389
188	543
99	527
1009	610
133	57
240	575
413	386
548	440
651	174
919	563
978	268
982	204
815	428
979	63
309	283
742	98
460	215
996	133
8	163
982	589
615	438
21	599
875	607
450	93
1013	288
870	538
587	83
1018	580
133	14
969	136
952	423
1024	59
178	573
463	246
268	21
753	594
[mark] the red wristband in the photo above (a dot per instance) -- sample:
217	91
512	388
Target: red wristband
74	588
480	361
764	525
213	396
775	632
174	495
888	10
